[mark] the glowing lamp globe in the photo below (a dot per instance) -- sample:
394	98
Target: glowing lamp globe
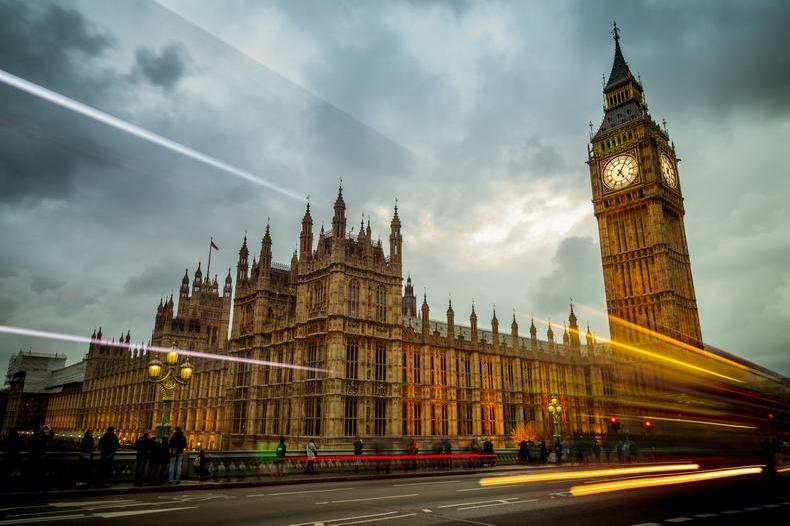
172	357
154	368
186	371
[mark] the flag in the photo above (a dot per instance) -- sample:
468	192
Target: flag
213	245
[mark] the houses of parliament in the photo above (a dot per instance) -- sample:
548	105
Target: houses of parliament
375	360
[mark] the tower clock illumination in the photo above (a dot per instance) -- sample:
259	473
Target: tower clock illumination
620	172
668	171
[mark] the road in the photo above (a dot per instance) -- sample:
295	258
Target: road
453	499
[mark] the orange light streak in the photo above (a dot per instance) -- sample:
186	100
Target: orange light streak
703	422
590	473
650	482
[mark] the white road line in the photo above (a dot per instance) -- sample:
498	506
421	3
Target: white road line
647	524
42	519
426	510
375	498
474	503
311	523
770	505
752	508
730	512
87	503
498	504
679	519
114	514
705	515
426	483
491	487
374	520
298	492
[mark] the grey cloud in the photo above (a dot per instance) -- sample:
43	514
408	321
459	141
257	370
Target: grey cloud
154	279
41	284
164	69
576	274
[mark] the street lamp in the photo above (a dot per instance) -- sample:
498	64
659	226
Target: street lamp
555	409
168	376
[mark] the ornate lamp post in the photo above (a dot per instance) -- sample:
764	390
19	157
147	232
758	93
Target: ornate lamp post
555	409
168	376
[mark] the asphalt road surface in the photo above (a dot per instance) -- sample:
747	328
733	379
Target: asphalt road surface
453	499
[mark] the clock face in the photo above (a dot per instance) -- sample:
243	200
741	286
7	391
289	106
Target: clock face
619	172
668	171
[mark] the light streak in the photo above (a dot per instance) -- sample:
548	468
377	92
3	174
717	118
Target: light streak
703	422
667	359
783	470
129	346
649	482
590	473
132	129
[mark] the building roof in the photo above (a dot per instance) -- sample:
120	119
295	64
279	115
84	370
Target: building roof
74	373
620	71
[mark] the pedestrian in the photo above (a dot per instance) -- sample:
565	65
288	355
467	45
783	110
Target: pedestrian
357	454
488	452
544	452
607	449
411	450
36	449
596	450
161	452
108	445
11	448
558	452
447	449
620	452
280	457
203	470
311	450
143	448
522	452
177	444
85	463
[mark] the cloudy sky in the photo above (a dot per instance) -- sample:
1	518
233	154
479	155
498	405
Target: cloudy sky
473	114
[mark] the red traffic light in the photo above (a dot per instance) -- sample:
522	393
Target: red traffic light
648	424
613	419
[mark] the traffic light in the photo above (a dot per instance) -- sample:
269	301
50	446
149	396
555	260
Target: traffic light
648	425
614	423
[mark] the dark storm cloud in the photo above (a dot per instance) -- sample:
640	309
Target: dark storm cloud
157	278
165	68
50	44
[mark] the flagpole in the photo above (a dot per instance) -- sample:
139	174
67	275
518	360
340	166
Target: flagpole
210	246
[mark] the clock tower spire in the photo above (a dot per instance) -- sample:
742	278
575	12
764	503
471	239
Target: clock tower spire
638	202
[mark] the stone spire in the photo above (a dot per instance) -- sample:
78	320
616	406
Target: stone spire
306	236
339	219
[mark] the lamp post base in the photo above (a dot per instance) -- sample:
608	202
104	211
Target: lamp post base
162	431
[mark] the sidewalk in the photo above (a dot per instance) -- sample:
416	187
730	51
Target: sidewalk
124	488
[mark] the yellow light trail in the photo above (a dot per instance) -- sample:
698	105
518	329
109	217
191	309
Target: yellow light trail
622	485
667	359
590	473
703	422
783	470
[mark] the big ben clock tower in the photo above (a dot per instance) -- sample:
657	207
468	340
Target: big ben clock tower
638	202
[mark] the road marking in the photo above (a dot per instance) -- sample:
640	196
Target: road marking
86	503
752	508
705	515
42	519
498	504
647	524
731	512
491	487
426	483
114	514
298	492
426	510
473	503
312	523
374	498
374	520
770	505
679	519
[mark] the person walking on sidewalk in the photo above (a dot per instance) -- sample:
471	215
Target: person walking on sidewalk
178	443
279	460
143	447
108	445
357	454
312	452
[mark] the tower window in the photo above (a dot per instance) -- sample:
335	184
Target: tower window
381	304
353	299
350	417
381	363
352	357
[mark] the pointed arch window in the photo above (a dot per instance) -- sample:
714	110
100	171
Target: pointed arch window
353	298
381	304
